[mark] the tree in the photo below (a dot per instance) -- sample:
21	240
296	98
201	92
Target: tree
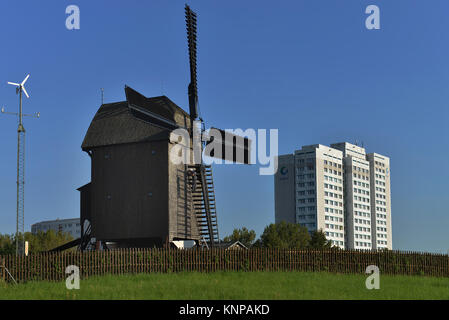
319	241
7	244
285	235
42	241
243	235
257	244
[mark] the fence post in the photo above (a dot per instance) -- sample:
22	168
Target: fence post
2	263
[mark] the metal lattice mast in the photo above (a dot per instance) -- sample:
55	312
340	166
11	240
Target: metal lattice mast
20	230
20	211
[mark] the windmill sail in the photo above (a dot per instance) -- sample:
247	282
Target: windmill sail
191	38
231	147
201	181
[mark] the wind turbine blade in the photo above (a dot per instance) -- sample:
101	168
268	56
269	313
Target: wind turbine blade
24	91
25	80
14	84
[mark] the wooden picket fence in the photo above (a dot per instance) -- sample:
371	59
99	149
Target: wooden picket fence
52	266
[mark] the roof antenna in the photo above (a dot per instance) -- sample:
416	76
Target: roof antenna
162	87
102	96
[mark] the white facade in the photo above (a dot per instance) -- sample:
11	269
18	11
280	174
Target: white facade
381	200
71	226
340	190
310	182
358	200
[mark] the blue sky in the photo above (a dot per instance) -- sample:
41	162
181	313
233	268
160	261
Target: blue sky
308	68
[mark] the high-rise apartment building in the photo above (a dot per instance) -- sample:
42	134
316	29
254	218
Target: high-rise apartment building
339	189
309	190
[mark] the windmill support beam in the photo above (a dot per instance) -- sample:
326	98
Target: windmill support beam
203	195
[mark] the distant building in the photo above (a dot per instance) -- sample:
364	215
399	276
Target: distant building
236	245
71	226
340	190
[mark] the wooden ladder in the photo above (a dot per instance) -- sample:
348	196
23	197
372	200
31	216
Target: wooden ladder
203	194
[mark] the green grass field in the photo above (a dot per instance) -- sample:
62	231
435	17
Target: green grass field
234	285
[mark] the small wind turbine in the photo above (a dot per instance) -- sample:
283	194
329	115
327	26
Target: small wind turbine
20	88
20	166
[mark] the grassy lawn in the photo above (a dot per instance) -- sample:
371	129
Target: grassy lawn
234	285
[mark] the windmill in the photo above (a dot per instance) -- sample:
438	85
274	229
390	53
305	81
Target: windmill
20	218
137	196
